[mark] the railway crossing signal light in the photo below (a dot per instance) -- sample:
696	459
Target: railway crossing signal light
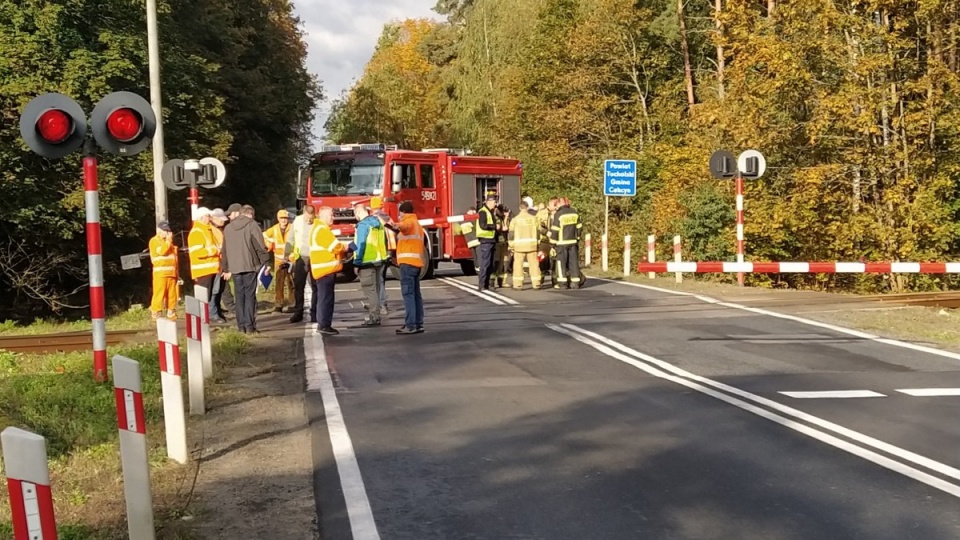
53	125
123	123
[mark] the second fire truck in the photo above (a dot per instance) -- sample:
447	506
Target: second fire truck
442	183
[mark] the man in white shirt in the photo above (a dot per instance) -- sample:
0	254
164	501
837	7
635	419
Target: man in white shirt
299	256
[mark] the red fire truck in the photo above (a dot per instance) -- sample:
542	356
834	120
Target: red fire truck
442	183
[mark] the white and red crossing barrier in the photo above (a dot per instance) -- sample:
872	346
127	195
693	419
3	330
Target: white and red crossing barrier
174	422
28	481
587	245
132	424
706	267
651	252
91	199
604	254
346	230
195	356
206	344
626	255
677	256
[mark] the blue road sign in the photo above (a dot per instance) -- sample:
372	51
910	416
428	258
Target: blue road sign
619	178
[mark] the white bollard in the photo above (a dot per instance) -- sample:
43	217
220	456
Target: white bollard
175	425
603	252
28	481
206	345
586	249
133	446
677	256
626	255
651	253
195	356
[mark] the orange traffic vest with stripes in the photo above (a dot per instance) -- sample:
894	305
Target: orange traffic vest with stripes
277	241
410	241
325	251
163	256
204	252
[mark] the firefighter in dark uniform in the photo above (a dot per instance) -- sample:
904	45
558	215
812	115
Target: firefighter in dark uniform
487	228
565	238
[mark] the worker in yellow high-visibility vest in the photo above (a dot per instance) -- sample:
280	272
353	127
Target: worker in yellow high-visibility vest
163	256
276	239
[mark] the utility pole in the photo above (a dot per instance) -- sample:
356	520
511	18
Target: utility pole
153	46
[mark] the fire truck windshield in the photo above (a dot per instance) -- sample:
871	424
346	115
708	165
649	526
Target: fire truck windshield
346	178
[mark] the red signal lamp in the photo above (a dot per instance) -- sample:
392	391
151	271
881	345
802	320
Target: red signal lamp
54	126
124	125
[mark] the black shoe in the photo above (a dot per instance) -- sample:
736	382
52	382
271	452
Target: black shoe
328	331
420	330
297	318
403	330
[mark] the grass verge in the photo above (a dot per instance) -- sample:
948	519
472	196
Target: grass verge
132	319
55	395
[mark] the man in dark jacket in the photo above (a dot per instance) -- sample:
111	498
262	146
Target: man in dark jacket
244	253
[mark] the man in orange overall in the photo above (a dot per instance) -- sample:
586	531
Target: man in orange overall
163	256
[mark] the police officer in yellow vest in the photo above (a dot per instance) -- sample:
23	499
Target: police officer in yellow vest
370	254
487	226
522	237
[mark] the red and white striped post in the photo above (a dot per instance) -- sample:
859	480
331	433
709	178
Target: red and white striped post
604	260
127	387
194	199
587	256
740	250
677	256
174	423
651	253
28	481
626	255
91	199
206	344
195	356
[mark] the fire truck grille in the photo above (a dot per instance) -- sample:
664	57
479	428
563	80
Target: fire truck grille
344	214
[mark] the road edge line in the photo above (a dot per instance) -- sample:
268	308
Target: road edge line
466	288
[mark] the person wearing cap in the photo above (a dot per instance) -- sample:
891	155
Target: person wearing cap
370	254
163	256
244	253
410	258
204	252
276	239
221	291
487	227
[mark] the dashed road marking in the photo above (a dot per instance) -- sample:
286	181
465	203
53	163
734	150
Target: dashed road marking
741	398
930	392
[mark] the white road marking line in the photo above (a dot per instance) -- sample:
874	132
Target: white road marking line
931	392
794	318
503	298
362	524
833	394
467	288
789	411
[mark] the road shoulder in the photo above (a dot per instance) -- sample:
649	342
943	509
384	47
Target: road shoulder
255	466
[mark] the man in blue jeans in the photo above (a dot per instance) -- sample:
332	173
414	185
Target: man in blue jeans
411	256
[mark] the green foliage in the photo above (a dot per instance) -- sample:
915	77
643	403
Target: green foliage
234	86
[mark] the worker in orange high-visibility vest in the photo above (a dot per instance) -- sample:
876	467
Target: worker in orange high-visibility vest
204	253
163	256
326	259
276	239
410	258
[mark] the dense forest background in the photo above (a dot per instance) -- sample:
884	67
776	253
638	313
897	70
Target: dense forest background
854	103
235	87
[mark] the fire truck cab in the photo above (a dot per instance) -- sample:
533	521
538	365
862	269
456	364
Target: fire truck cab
442	184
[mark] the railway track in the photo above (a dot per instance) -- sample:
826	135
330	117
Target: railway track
950	299
69	341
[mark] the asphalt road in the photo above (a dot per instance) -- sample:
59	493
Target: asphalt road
622	412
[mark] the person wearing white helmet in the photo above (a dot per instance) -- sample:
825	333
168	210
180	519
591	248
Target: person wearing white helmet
204	252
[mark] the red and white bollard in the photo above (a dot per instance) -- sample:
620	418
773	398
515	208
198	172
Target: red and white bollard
626	255
651	253
28	481
586	249
194	203
206	344
174	423
740	242
604	255
677	257
133	447
195	356
91	199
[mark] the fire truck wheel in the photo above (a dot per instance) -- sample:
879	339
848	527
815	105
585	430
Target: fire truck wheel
469	269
